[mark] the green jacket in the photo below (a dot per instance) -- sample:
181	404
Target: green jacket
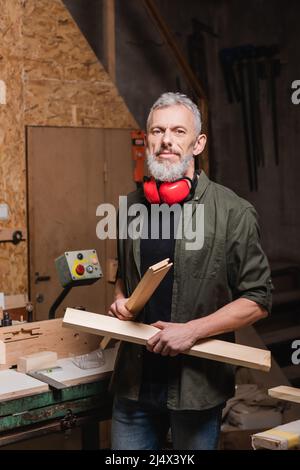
230	265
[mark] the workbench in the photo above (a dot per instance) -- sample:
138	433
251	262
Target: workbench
83	405
30	408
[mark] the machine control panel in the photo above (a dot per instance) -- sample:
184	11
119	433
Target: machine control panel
78	268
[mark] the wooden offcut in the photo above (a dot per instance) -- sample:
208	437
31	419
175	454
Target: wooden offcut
283	437
285	393
147	285
140	333
37	361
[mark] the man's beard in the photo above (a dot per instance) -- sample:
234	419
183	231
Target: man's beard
165	170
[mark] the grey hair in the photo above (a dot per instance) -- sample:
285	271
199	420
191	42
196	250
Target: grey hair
171	99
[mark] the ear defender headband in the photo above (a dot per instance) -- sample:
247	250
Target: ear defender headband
174	192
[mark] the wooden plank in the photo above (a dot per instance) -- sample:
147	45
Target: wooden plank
147	285
178	55
14	384
109	37
139	333
283	437
47	335
285	393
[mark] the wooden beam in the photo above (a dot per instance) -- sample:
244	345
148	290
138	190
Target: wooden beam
204	156
178	55
109	38
285	393
139	333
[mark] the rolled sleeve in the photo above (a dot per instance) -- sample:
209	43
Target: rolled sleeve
248	268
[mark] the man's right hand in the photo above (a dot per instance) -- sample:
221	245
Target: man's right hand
118	309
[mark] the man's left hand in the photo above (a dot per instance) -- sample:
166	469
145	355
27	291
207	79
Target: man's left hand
173	339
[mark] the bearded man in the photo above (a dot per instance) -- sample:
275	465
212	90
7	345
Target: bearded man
209	292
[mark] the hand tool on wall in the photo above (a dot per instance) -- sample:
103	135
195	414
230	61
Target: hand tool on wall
273	67
197	50
243	76
228	59
243	67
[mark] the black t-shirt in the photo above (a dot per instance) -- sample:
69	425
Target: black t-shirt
155	366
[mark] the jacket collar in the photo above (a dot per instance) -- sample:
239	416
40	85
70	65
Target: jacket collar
203	182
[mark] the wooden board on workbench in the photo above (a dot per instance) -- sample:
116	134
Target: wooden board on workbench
14	384
71	374
139	333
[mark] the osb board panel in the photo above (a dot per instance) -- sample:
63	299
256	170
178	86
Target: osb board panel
11	12
51	72
58	63
13	259
13	268
58	103
54	48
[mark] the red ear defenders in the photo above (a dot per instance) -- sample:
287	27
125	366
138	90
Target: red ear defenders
169	192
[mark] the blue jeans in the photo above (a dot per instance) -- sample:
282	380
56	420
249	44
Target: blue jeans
137	427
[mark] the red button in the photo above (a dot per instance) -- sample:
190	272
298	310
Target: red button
79	269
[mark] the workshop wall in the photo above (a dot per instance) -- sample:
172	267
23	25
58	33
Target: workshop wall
52	78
